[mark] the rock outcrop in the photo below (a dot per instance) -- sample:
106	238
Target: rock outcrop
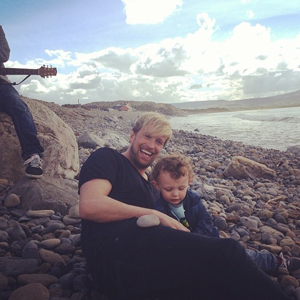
60	162
243	168
46	193
57	138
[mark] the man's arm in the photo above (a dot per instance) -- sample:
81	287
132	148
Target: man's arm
96	206
4	47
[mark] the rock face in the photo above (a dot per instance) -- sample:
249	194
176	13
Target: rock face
55	190
243	168
57	138
46	193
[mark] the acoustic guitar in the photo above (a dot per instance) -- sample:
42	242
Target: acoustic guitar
42	71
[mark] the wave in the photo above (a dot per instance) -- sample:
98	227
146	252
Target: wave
268	118
276	129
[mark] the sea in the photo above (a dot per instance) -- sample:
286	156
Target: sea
277	128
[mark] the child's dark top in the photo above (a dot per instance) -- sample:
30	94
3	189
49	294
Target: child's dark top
197	216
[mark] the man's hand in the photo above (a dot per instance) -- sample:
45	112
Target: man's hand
170	222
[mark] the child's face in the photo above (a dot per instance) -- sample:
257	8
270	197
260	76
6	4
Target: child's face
172	190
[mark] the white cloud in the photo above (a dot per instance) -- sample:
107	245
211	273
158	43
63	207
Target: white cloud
250	14
205	22
34	87
202	53
161	60
149	11
241	51
61	54
60	57
248	1
248	63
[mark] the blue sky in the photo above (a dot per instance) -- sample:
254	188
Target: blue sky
163	51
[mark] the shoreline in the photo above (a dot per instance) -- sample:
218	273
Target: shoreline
268	129
196	111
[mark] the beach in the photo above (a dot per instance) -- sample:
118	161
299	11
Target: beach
260	212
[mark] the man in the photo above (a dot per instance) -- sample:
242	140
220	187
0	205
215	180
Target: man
17	109
165	261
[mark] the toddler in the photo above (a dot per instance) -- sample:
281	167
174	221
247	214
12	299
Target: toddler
172	176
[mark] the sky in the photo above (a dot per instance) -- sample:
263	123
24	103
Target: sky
165	51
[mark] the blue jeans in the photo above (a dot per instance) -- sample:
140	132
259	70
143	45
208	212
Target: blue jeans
266	261
17	109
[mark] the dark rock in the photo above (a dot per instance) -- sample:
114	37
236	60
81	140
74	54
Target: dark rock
30	251
17	266
30	291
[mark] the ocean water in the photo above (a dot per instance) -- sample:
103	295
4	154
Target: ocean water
268	128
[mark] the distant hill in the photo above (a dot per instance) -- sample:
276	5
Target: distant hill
163	108
285	100
193	107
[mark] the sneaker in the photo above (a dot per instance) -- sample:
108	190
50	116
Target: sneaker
291	264
33	166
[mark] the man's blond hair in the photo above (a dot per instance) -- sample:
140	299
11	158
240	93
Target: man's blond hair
160	126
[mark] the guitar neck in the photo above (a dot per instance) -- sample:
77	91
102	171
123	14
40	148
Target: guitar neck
42	71
17	71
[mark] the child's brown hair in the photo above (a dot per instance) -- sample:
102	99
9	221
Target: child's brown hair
176	165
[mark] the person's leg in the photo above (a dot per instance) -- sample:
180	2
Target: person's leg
175	264
266	261
17	109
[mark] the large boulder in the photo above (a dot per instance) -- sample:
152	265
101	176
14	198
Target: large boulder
59	142
57	189
46	193
244	168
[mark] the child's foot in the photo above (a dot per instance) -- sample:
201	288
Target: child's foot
291	264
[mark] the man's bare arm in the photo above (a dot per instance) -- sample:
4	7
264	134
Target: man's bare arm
96	206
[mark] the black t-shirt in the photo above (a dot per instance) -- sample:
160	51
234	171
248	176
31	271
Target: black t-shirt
128	185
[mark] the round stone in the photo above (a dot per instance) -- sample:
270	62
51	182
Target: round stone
148	221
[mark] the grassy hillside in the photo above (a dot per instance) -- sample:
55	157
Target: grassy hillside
285	100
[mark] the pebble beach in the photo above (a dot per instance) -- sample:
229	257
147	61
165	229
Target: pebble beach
40	253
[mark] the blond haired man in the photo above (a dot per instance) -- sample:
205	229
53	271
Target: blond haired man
129	262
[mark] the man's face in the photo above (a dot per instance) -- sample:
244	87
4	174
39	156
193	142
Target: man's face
145	148
172	190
